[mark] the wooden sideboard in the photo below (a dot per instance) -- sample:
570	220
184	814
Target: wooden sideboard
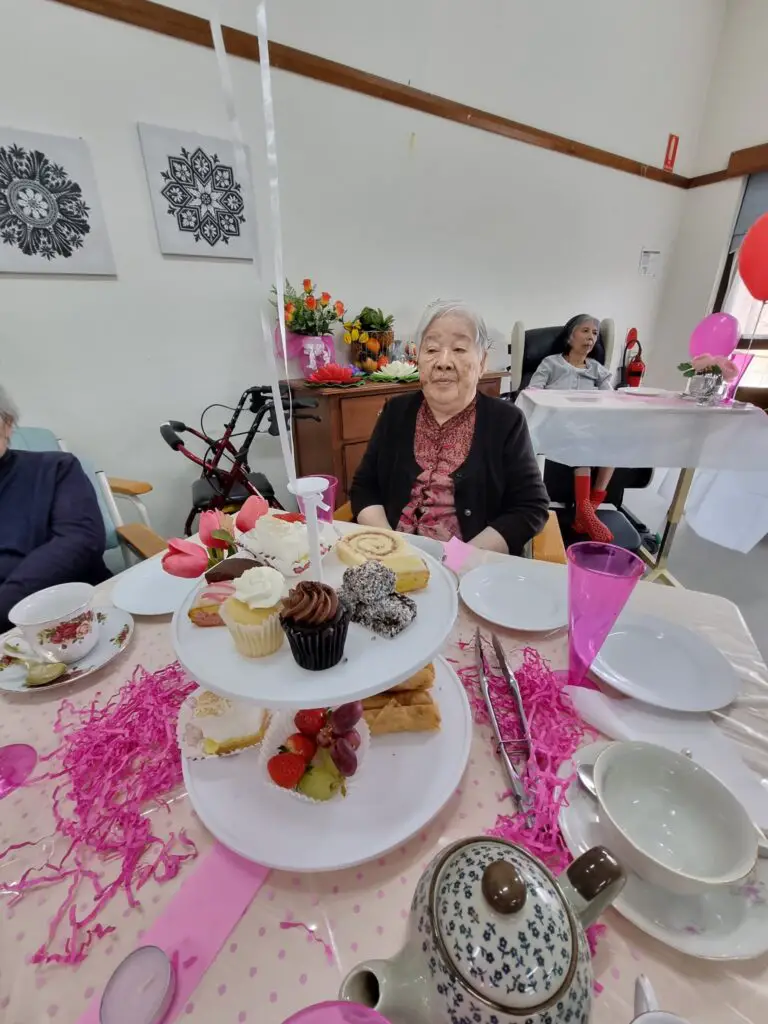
337	443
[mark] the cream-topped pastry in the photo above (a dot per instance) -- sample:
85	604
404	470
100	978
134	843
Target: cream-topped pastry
284	544
260	587
219	726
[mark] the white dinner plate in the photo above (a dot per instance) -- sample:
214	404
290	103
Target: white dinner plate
147	589
730	923
370	664
525	594
407	779
665	665
115	632
648	392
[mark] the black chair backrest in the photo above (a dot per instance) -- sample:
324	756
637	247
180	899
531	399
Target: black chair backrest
539	343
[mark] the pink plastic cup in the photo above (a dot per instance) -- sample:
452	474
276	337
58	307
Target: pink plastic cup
336	1013
600	579
329	498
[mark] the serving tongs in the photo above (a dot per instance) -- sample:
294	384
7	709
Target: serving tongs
516	784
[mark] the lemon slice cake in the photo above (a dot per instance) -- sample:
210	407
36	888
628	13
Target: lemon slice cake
371	544
227	727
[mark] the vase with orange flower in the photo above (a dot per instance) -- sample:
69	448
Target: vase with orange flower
308	321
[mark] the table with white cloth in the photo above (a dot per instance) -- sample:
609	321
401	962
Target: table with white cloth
622	429
265	972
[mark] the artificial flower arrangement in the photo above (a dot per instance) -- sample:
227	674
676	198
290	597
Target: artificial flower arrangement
217	532
308	322
705	364
370	336
307	313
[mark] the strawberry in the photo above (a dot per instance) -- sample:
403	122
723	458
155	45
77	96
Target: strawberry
299	744
310	722
290	517
286	770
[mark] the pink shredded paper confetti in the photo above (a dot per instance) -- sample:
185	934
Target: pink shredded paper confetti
311	935
556	733
114	762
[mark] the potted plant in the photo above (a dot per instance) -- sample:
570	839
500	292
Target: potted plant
707	376
308	321
370	335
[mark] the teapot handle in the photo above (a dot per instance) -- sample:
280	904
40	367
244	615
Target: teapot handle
592	883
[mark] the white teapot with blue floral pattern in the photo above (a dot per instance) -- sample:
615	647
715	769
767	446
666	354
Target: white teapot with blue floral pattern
493	938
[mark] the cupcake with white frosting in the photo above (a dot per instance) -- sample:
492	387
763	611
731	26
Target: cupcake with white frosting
252	614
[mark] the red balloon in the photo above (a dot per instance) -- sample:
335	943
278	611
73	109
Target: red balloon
753	259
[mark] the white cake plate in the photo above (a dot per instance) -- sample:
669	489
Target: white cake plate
370	664
406	780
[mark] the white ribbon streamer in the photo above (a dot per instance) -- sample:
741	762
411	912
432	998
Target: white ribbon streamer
260	237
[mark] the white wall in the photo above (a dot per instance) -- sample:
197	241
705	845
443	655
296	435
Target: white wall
380	204
736	117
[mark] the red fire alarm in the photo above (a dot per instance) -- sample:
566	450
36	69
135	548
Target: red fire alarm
671	155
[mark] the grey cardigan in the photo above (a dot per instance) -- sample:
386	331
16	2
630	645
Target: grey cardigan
557	373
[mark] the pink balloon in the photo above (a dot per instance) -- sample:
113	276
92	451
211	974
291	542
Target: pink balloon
716	335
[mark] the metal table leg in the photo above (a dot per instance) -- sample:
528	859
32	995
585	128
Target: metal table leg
659	572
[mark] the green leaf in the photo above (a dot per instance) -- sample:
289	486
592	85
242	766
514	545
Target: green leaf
223	535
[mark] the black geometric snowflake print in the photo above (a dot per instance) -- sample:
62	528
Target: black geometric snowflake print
203	196
42	211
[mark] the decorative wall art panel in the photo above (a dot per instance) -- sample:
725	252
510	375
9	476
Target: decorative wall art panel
51	220
199	203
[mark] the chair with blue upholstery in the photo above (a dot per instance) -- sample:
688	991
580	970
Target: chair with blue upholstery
136	539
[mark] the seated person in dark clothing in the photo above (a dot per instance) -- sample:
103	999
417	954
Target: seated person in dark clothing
449	461
51	528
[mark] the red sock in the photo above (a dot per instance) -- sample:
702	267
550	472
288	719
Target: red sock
585	520
597	497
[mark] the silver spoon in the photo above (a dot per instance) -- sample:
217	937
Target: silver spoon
586	776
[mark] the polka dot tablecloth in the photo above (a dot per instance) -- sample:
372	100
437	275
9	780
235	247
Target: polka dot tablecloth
266	971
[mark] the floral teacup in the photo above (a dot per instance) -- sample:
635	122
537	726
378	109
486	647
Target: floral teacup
59	622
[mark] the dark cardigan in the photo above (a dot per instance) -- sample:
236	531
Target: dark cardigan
499	485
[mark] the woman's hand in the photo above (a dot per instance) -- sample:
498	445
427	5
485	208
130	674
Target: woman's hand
374	515
490	540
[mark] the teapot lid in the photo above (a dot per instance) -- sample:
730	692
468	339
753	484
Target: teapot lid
504	925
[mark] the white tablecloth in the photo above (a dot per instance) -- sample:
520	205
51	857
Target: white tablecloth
728	503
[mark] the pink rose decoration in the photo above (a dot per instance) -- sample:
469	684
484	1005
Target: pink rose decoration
185	558
253	509
215	520
702	363
729	369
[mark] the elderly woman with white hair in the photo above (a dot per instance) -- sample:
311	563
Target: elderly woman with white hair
51	528
449	461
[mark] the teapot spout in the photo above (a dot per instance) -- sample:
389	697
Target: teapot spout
390	988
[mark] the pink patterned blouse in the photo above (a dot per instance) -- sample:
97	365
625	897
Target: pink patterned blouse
439	451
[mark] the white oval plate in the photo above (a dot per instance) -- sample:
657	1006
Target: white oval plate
522	594
665	665
370	663
116	630
407	780
648	392
730	923
147	589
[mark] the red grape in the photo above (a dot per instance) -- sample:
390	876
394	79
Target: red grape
346	717
353	738
344	757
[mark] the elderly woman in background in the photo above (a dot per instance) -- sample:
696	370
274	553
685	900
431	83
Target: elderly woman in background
51	529
571	369
449	461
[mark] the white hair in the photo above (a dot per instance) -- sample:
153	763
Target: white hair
9	411
445	307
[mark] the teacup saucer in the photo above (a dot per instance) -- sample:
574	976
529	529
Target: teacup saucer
728	924
116	629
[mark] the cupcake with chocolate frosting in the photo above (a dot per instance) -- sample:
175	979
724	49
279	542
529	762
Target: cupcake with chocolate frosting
315	622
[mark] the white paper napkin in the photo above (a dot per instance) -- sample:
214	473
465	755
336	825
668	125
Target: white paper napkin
632	720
